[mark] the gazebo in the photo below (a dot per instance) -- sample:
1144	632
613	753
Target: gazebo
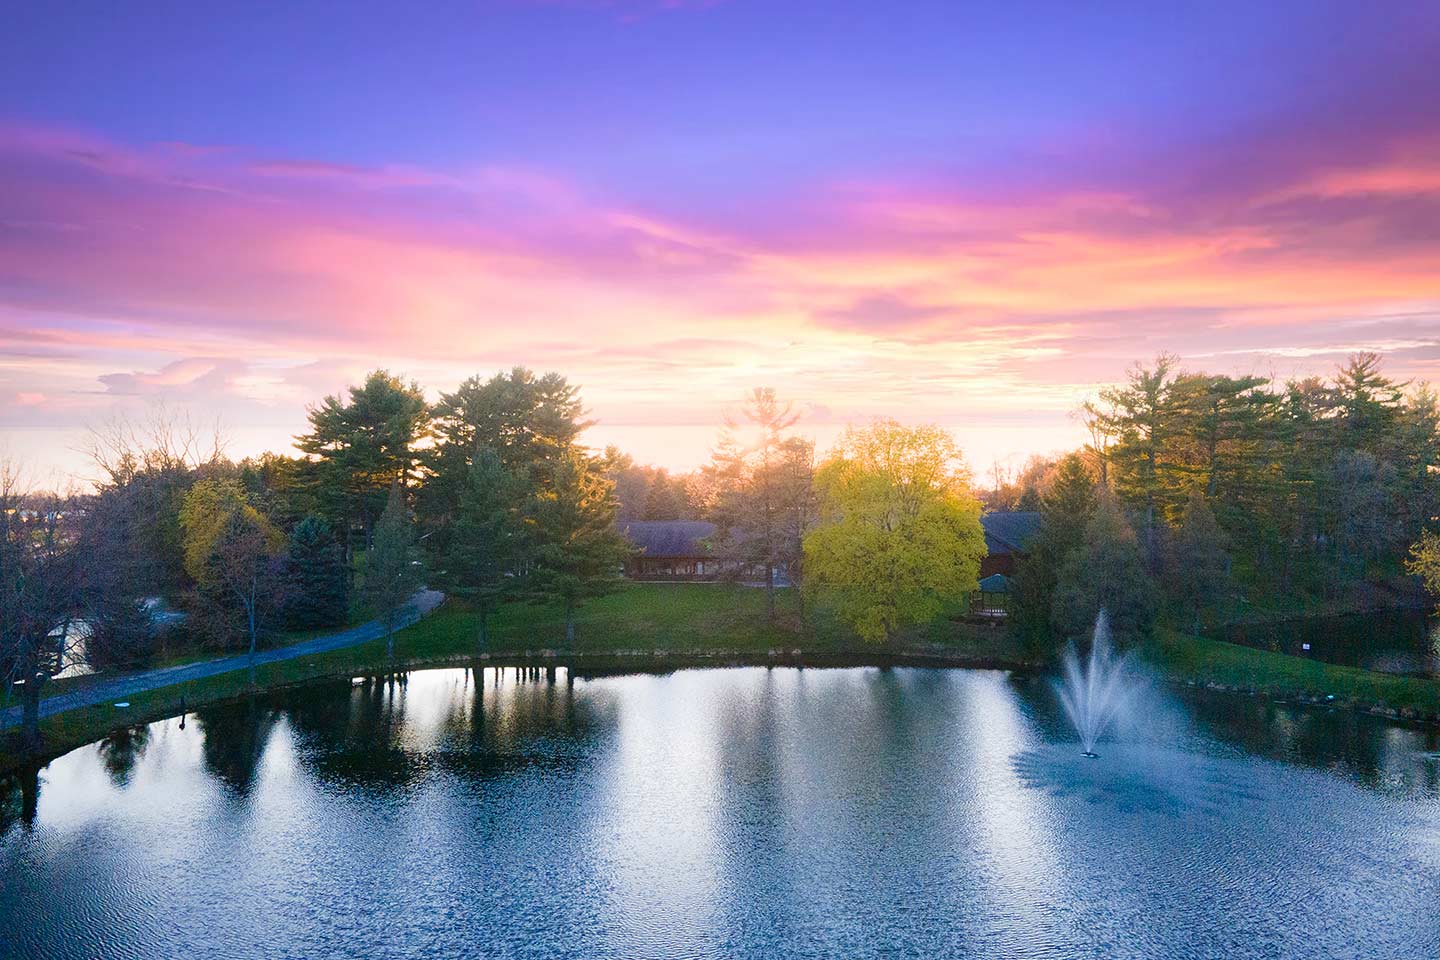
992	599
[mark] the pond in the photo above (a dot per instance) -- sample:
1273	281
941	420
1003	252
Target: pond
724	813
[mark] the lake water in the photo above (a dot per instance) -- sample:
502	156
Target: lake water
723	813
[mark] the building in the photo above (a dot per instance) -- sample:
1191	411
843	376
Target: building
1008	536
992	600
672	550
685	549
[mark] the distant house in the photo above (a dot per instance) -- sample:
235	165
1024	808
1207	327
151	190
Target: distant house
672	550
1008	537
686	549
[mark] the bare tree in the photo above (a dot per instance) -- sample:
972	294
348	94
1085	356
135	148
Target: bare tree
164	441
761	483
41	592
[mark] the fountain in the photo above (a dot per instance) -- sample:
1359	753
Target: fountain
1096	693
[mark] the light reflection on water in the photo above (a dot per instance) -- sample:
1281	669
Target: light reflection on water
717	813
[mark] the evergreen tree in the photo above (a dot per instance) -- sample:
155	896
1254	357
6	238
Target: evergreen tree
392	567
483	548
573	549
1107	573
1065	511
363	447
1140	418
530	422
319	594
1200	567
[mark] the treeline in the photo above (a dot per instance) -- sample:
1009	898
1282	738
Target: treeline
1205	492
1196	493
486	494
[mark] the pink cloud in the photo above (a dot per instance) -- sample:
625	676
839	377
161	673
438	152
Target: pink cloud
215	277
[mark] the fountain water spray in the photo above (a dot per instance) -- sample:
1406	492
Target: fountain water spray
1098	691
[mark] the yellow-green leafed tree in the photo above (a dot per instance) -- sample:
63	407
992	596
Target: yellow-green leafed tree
234	554
208	509
899	534
1424	561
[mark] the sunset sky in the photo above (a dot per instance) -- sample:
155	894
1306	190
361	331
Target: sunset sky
970	214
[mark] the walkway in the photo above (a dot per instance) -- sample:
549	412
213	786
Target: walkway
121	687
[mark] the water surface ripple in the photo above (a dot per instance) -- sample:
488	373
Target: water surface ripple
723	813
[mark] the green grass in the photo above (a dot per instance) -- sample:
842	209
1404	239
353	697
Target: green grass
663	625
717	623
1189	659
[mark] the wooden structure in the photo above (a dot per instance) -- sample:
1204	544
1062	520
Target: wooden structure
1008	536
992	600
673	550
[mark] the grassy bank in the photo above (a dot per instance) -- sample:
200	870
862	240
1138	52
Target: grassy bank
1218	664
659	626
644	626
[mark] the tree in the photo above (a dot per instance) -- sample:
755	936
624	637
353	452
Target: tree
318	577
758	487
795	481
484	547
574	551
523	418
1065	512
1138	419
1363	508
898	536
1200	567
144	471
529	422
649	493
41	591
1106	573
392	567
1424	561
234	554
363	447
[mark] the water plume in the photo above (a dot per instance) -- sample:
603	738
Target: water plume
1098	691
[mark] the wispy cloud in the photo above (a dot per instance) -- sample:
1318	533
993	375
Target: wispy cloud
216	276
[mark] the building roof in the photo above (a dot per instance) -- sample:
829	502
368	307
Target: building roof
670	538
995	583
1010	531
1005	532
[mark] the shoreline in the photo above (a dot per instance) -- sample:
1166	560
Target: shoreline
82	726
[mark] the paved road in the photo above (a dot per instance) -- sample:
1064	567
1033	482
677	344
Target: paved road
133	683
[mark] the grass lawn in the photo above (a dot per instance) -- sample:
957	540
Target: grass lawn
662	625
1184	658
710	622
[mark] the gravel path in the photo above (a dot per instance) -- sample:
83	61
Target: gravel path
133	683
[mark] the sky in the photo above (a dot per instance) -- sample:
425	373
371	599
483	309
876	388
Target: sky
971	214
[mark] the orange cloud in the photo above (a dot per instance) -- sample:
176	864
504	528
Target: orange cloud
253	285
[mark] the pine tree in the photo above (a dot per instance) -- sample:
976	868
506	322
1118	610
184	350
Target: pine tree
1106	573
481	552
319	594
392	568
1200	567
1065	511
573	549
362	447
